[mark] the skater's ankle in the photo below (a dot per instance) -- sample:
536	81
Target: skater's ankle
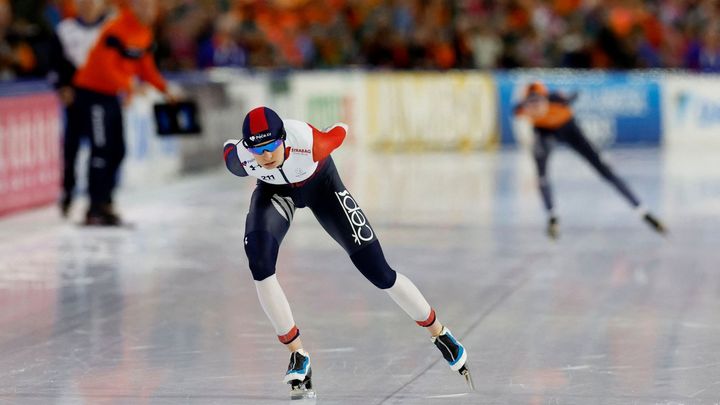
435	329
295	345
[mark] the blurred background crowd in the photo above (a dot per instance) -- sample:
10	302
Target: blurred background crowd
397	34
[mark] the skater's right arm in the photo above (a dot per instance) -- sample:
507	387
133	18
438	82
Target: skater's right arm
232	161
563	98
324	142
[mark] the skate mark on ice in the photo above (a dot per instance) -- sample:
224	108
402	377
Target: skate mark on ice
526	264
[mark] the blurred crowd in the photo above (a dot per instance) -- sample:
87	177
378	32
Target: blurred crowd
398	34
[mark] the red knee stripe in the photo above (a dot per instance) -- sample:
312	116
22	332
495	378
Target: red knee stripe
429	321
290	336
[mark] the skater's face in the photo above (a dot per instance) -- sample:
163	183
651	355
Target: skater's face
536	106
269	159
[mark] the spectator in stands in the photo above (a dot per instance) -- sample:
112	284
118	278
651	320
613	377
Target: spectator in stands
704	55
421	34
16	55
220	48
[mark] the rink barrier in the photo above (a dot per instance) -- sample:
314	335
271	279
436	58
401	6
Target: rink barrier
458	110
30	122
431	111
692	110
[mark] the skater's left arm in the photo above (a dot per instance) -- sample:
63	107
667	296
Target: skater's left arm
324	142
232	161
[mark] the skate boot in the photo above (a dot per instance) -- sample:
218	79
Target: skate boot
655	223
454	353
553	229
299	376
103	215
65	203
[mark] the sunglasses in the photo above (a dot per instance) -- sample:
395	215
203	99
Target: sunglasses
269	147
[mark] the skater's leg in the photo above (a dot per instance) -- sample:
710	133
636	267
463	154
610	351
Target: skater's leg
576	140
71	144
265	227
541	154
275	304
581	145
267	223
340	215
371	262
107	151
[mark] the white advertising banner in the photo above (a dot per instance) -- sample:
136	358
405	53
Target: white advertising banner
445	111
324	98
691	110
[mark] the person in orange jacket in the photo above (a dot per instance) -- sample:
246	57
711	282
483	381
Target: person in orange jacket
553	119
122	54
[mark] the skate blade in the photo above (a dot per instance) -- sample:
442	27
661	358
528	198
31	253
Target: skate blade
302	394
468	378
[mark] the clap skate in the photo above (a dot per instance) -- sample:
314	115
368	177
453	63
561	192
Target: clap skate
454	353
655	223
299	376
553	229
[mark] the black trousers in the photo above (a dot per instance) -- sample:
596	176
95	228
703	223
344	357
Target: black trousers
71	144
99	117
571	135
272	208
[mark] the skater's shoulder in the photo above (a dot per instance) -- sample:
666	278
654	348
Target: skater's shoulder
296	125
297	131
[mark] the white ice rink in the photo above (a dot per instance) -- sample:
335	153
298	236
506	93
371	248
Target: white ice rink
166	313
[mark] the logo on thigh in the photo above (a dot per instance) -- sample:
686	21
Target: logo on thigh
362	232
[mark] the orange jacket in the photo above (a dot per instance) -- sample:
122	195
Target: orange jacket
123	51
558	114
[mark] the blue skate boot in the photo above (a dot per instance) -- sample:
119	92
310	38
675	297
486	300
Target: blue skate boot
299	376
454	353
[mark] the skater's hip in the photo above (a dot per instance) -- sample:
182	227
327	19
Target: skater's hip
304	192
566	132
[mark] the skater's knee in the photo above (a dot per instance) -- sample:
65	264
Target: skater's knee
372	264
261	249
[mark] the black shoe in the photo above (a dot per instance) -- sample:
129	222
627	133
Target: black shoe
65	204
655	223
553	229
102	216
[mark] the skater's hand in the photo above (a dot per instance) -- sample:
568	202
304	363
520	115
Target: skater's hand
66	95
